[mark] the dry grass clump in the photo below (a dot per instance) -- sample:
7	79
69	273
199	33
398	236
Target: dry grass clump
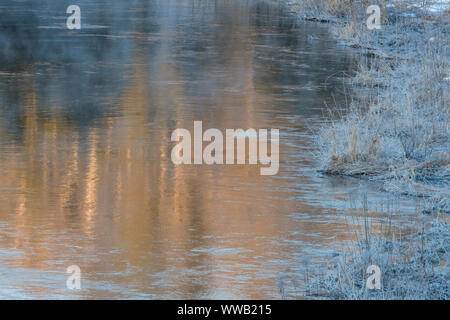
334	10
413	269
406	127
339	8
413	259
399	133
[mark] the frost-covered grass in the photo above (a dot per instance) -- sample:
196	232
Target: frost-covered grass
398	133
413	266
333	10
413	259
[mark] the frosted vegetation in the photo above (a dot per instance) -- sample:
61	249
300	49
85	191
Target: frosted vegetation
399	133
413	265
395	131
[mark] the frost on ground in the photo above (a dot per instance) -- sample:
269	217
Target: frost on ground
431	6
414	269
397	133
413	260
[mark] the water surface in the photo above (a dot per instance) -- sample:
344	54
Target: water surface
85	171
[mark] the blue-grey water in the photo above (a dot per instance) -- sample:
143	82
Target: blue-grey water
86	176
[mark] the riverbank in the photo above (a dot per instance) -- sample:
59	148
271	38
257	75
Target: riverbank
412	265
395	132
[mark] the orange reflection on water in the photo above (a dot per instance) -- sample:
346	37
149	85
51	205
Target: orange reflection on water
95	186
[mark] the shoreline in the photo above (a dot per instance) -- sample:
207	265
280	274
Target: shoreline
397	135
408	158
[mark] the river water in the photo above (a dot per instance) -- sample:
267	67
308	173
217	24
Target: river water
86	176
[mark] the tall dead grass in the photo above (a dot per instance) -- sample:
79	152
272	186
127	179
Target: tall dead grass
334	10
396	133
413	266
399	133
413	259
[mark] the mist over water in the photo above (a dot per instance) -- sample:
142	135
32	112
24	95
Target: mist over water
86	176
